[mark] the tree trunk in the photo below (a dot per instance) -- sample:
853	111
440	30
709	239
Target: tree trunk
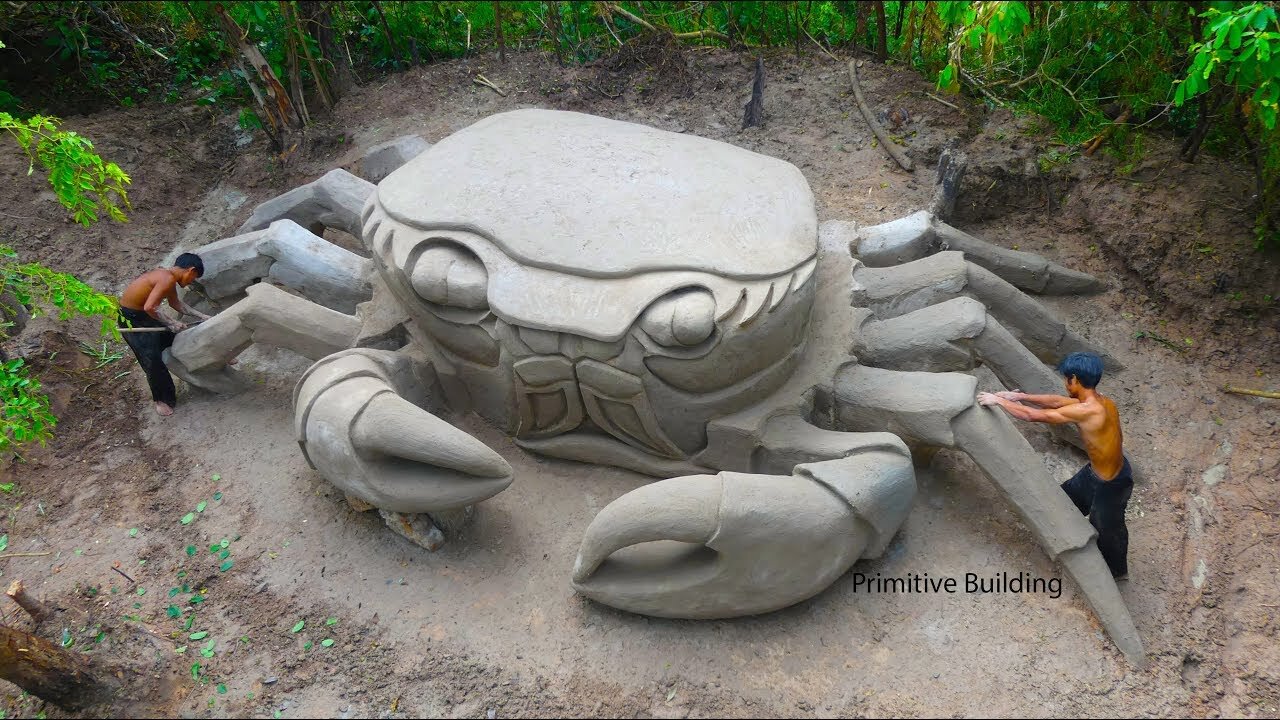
317	73
267	90
897	28
296	90
319	18
795	18
497	24
1209	103
860	32
882	49
51	673
553	20
386	32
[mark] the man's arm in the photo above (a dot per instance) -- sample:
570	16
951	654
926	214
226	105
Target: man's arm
1065	415
162	290
180	307
1051	402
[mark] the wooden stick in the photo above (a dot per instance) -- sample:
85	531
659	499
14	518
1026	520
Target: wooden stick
1247	391
1106	131
903	161
482	80
944	102
154	329
980	88
821	47
34	607
615	9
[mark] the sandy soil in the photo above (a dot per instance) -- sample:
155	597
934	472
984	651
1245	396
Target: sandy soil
489	625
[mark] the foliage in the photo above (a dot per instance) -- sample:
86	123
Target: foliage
83	183
1240	50
27	417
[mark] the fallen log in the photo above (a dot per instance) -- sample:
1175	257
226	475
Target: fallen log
52	673
894	152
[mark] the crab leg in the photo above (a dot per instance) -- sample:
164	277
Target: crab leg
921	234
957	335
937	409
748	543
287	254
892	291
268	315
333	201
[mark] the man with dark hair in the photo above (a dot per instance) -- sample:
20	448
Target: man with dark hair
140	308
1102	487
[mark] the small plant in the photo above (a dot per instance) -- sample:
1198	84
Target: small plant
103	356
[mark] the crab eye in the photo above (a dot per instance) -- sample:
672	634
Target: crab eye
447	274
683	318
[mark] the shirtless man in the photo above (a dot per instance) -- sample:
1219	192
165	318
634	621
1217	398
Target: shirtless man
1102	487
140	307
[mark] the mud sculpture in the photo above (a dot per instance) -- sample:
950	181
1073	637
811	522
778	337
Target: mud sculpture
610	293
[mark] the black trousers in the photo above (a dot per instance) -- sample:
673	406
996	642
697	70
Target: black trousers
149	347
1104	501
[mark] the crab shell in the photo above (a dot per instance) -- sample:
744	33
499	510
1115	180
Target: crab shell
584	274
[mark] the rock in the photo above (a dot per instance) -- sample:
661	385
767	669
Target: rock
381	160
1214	475
1201	572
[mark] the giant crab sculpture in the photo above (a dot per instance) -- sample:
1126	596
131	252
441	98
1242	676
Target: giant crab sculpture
611	293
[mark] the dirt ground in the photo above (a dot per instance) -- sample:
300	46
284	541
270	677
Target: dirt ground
489	626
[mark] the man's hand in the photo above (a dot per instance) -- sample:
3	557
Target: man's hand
987	399
177	327
1014	395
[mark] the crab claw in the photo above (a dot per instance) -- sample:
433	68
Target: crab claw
358	433
743	544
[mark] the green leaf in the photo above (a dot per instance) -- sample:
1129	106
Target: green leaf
173	591
142	591
200	506
225	542
298	628
195	671
216	477
224	554
173	611
180	650
199	635
327	642
306	645
133	532
217	495
4	542
196	599
222	689
186	519
191	550
225	566
331	621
